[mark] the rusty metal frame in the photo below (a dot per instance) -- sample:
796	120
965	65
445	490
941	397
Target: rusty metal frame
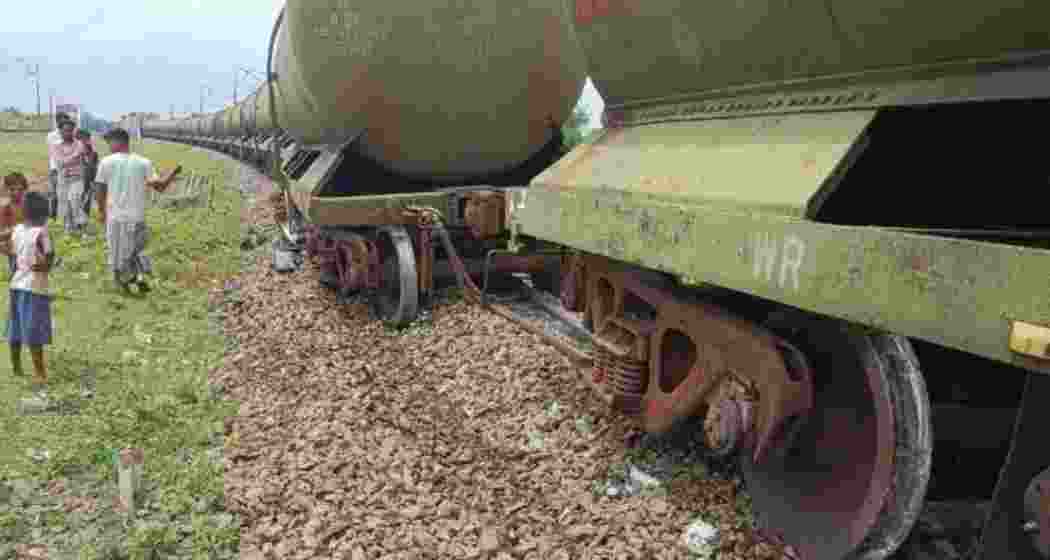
1004	534
723	345
328	245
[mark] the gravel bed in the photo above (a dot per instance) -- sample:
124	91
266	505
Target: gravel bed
459	437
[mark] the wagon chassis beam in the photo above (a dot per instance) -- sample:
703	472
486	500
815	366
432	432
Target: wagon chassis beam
923	286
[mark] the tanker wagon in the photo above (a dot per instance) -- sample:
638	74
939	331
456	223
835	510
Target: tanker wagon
805	224
813	225
379	114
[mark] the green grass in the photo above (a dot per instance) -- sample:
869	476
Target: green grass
24	152
24	121
150	355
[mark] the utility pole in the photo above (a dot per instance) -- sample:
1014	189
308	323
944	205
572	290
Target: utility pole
37	75
33	73
236	78
203	87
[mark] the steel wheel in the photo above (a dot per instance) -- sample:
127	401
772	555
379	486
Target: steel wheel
397	299
852	479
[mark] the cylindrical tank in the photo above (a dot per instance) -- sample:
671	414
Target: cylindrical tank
263	121
247	109
664	48
441	90
216	128
232	118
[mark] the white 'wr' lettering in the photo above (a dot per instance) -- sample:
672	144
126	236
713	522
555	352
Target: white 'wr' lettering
765	252
791	260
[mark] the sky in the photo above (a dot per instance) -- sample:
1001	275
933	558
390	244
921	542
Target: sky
141	56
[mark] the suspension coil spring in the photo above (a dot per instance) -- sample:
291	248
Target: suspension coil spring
624	377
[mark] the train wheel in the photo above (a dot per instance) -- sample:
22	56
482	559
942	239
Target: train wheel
849	479
397	299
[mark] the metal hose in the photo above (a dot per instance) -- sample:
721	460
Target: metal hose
577	357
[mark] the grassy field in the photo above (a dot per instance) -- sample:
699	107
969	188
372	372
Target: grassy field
9	121
24	152
148	356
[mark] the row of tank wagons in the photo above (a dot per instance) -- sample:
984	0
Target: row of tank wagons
244	130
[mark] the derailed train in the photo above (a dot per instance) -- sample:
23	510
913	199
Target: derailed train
783	227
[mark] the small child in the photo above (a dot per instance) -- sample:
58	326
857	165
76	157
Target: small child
15	186
29	314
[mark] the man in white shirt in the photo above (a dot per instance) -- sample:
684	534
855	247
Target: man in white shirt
121	180
54	137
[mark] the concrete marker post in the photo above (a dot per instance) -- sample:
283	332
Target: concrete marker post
129	466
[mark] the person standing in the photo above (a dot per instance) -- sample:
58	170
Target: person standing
121	182
54	137
88	170
29	309
67	158
11	213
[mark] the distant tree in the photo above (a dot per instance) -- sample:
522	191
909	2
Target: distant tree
574	128
13	110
